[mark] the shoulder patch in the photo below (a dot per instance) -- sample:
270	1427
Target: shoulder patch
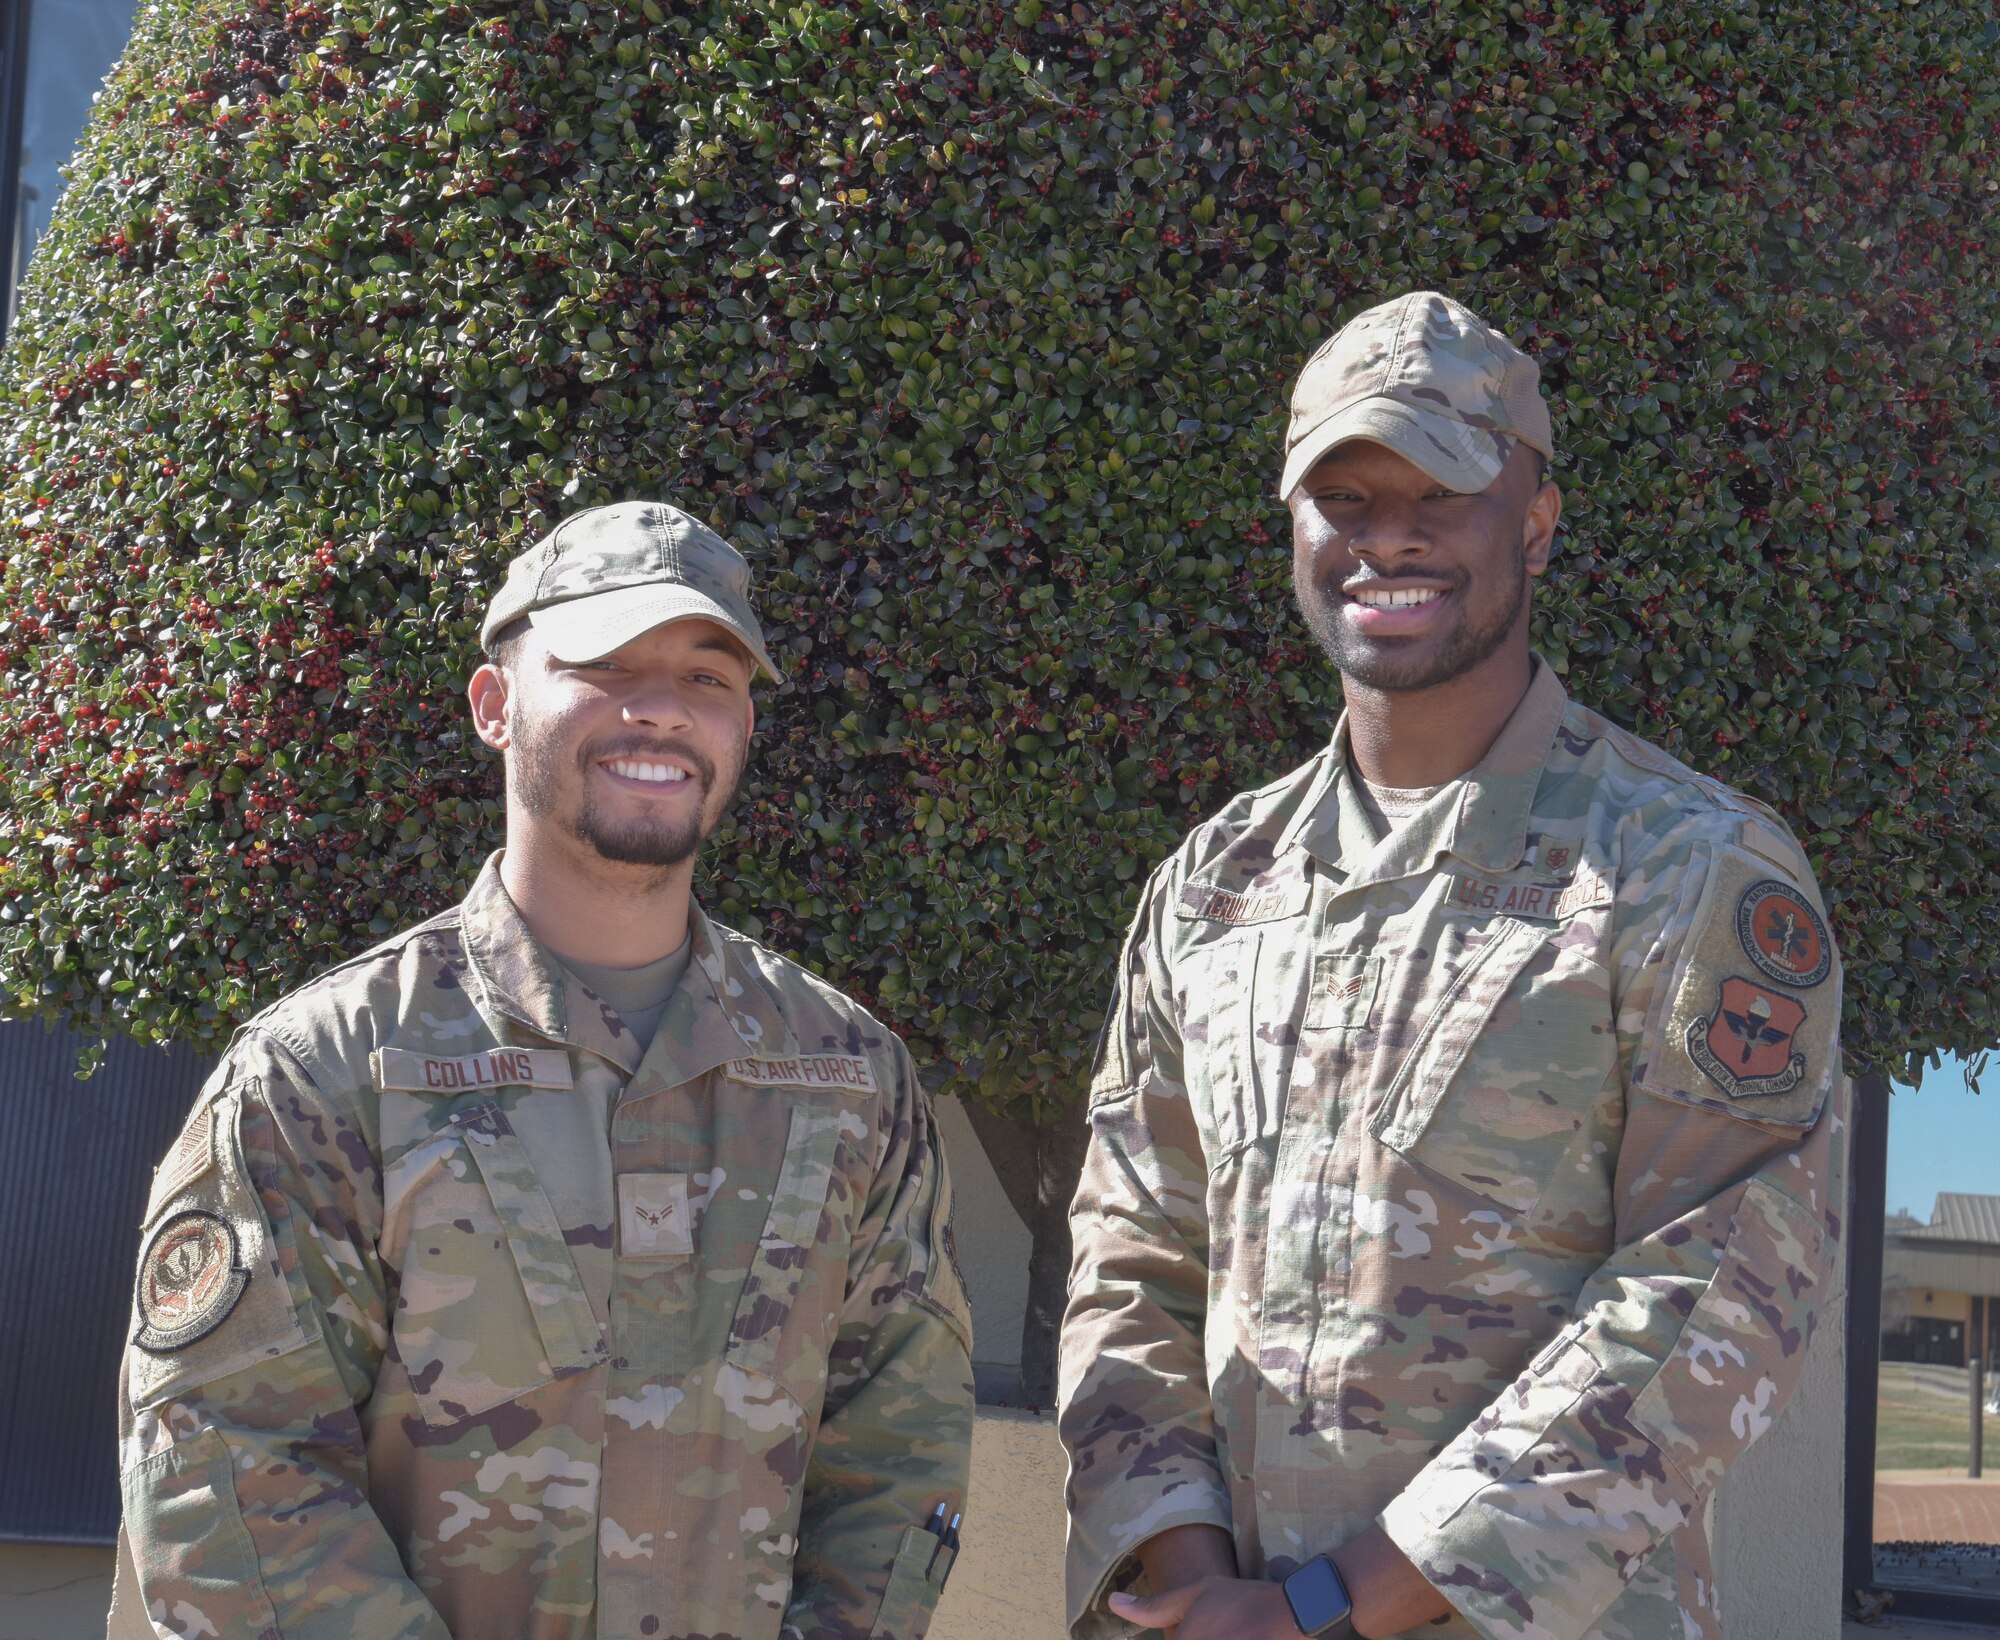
189	1280
408	1071
1745	1026
1783	935
845	1072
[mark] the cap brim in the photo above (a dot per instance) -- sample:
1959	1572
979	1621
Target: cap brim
1459	457
589	628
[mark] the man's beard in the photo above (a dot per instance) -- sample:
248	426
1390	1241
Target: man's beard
1385	666
657	841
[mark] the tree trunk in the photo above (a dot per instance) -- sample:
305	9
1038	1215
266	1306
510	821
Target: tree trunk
1038	1167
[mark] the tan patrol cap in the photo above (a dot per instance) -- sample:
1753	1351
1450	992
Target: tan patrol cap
603	576
1426	377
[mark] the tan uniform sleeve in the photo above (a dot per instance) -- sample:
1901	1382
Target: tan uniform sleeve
260	1318
1729	1192
895	1436
1134	1404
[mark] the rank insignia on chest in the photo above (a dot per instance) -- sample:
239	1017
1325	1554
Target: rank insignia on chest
1744	1046
653	1215
189	1281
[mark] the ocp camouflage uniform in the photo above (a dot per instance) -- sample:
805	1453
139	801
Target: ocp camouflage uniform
524	1334
1483	1181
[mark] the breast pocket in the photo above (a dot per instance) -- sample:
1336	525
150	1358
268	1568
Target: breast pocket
1245	1008
491	1304
1505	1072
791	1296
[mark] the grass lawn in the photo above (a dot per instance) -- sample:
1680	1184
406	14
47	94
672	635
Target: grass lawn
1922	1422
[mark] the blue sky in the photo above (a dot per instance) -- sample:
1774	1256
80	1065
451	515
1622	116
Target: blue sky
1942	1137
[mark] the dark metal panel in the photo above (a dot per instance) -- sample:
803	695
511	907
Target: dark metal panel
75	1162
13	81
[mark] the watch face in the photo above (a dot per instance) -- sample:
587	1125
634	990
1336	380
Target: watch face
1318	1597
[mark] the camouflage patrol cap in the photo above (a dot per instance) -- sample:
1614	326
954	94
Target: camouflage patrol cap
602	577
1428	378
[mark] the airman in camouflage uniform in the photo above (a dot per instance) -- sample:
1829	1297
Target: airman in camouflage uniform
461	1312
1475	1184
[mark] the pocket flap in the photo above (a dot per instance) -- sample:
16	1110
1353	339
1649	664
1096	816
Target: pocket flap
571	1337
1448	1035
777	1269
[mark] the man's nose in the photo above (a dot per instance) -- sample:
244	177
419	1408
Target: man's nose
1389	532
658	704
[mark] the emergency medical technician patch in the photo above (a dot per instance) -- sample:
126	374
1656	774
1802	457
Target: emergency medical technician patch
1783	935
189	1281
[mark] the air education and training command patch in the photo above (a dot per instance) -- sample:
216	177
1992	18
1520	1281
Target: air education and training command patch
189	1281
1745	1045
1783	935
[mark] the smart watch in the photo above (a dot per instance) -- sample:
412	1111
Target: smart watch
1319	1601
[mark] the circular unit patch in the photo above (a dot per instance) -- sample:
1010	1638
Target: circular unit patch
189	1281
1783	935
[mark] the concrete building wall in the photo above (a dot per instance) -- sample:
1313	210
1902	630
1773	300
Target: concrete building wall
1777	1522
993	1247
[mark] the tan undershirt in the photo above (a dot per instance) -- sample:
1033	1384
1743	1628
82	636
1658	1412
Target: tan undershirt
1389	806
639	995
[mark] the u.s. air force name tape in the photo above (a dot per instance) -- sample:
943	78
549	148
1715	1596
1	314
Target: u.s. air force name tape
850	1072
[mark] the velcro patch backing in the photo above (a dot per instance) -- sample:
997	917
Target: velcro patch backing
190	1159
847	1072
411	1072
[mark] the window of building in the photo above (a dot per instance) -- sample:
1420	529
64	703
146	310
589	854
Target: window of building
58	52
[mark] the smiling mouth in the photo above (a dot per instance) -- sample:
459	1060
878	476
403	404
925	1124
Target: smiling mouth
654	774
1395	597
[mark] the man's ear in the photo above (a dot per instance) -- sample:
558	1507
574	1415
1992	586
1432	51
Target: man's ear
1538	529
489	691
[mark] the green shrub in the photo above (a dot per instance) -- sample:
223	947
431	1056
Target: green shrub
973	324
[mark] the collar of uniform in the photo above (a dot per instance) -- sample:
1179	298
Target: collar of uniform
528	986
1487	826
515	973
722	1010
1498	796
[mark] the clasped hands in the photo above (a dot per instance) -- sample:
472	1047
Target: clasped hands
1202	1598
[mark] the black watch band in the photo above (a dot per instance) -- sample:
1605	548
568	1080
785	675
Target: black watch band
1319	1601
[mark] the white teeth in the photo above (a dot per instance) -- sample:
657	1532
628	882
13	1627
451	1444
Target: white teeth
1395	598
634	770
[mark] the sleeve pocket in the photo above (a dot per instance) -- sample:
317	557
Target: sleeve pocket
911	1596
196	1567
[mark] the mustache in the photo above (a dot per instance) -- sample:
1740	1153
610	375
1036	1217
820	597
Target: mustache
649	747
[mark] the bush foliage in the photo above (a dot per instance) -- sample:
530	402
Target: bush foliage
973	324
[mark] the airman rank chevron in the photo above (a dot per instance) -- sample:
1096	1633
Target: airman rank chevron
411	1072
847	1072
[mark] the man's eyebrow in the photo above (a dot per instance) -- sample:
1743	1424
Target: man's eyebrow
726	646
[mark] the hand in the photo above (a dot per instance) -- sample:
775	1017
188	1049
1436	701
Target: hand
1216	1608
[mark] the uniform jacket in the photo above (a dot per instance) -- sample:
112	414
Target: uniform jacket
1483	1181
456	1316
